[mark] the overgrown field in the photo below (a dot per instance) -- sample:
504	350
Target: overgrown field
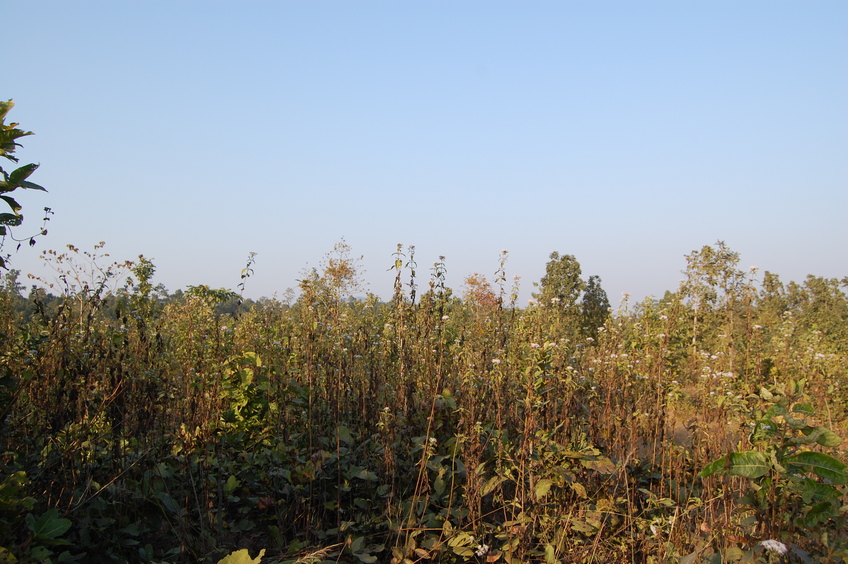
438	426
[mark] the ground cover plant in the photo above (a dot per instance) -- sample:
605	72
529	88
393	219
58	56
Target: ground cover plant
438	426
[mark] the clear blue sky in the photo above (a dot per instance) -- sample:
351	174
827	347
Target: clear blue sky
626	133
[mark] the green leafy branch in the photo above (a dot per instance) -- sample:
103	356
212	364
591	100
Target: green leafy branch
792	488
17	178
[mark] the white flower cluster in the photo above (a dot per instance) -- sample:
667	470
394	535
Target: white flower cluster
774	546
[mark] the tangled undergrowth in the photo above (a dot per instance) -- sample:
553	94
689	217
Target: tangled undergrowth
146	427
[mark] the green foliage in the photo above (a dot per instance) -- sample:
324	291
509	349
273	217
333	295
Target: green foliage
594	307
792	489
147	427
15	179
211	295
561	285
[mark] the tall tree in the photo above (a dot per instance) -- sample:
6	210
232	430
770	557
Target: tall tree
595	307
561	286
559	294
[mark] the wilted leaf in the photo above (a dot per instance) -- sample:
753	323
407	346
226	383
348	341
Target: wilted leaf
580	490
582	526
543	487
600	464
550	553
490	485
826	437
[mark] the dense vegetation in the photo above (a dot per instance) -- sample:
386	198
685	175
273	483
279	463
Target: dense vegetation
147	427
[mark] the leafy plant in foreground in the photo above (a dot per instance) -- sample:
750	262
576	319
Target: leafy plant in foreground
794	493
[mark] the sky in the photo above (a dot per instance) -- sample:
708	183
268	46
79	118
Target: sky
627	134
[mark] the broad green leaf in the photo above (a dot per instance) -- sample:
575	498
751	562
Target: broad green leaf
460	539
822	465
543	487
49	526
253	358
819	513
131	529
242	557
439	486
713	467
20	174
751	464
40	553
366	475
804	408
733	554
813	491
230	485
168	502
345	435
463	551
